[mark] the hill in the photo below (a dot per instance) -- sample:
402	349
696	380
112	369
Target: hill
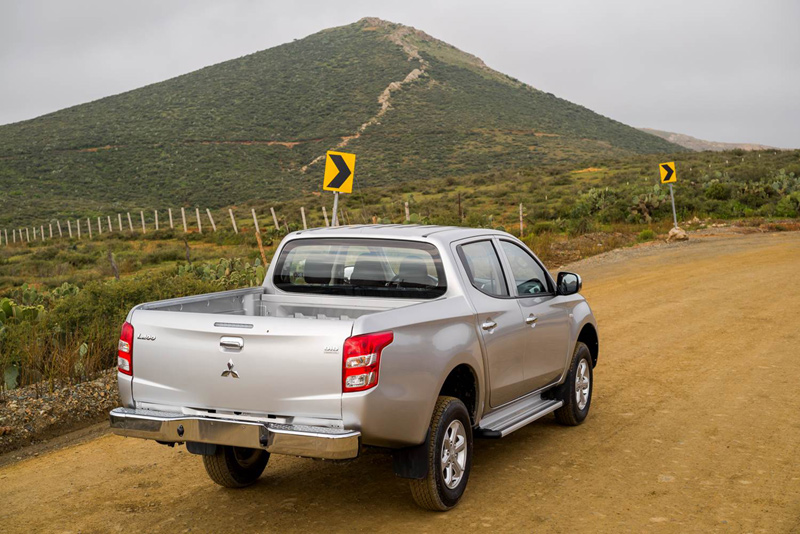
700	145
256	127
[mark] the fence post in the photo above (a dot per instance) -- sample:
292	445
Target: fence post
408	215
521	228
58	223
274	218
171	226
210	218
144	229
261	248
155	215
110	228
41	232
255	220
50	225
130	222
233	220
183	216
78	226
199	224
119	220
325	214
89	226
34	233
303	213
14	235
69	227
99	227
5	231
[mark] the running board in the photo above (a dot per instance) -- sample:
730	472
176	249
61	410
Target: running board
519	413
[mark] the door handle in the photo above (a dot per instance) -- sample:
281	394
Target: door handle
489	325
531	319
230	342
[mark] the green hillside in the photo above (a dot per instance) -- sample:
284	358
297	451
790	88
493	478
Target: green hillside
252	128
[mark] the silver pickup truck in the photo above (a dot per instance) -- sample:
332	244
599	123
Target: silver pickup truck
414	339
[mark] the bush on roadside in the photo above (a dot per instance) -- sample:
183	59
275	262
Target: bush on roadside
646	235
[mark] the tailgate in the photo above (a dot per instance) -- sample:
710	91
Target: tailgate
285	366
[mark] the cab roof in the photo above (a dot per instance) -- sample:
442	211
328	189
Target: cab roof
397	231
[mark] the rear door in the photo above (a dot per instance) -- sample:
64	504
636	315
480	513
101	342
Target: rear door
499	319
262	365
545	315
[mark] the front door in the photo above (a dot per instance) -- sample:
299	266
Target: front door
499	319
546	317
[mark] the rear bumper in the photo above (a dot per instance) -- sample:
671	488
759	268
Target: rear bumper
294	440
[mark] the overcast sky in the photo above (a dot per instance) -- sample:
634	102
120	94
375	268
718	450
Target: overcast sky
724	70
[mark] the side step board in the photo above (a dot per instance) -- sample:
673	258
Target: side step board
514	416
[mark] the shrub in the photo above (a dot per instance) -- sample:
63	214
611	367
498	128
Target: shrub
789	206
544	226
718	191
646	235
581	226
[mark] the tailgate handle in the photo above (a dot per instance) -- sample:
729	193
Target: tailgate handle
230	342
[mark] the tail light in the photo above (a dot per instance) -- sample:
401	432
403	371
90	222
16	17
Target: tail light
361	360
125	350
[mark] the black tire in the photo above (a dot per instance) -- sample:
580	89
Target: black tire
571	414
235	467
432	492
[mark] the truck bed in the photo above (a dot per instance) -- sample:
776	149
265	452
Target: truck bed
256	302
281	366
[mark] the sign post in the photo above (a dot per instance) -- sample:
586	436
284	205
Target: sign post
339	173
669	176
335	221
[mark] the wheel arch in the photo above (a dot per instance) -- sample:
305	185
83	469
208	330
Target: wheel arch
462	383
588	336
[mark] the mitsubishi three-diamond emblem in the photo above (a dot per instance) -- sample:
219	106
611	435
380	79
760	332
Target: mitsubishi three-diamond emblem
229	371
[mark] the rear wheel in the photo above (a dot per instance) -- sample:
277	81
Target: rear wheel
449	457
576	392
235	467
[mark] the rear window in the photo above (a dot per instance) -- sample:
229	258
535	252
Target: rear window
361	267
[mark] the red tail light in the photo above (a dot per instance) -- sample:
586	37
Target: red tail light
125	350
361	360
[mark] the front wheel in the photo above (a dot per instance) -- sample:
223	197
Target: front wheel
235	467
449	457
576	392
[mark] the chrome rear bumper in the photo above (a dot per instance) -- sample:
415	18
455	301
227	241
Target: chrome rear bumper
294	440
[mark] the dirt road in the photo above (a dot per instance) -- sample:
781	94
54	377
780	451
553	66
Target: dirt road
695	427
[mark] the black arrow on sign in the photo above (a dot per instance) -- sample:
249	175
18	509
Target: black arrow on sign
343	174
667	168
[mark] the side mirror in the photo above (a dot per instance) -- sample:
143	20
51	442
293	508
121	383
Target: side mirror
568	283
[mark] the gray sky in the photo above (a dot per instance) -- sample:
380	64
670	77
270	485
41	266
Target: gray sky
722	70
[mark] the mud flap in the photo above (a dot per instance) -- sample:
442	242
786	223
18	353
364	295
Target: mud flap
412	462
204	449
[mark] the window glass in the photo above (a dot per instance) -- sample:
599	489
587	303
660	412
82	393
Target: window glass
361	267
529	276
483	268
